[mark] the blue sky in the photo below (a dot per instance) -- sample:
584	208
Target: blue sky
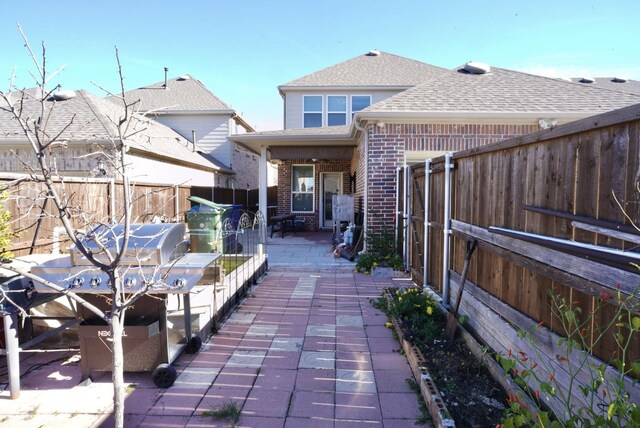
242	50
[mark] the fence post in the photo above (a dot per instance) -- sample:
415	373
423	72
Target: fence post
425	262
398	212
448	167
406	223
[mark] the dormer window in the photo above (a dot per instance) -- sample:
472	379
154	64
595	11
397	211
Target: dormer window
331	110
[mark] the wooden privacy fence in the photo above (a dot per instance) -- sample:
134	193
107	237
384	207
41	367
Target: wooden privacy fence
33	216
572	170
248	198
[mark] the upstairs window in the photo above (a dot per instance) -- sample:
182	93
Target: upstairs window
312	105
359	102
336	110
302	184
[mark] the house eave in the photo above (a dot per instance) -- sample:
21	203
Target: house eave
463	117
161	112
283	89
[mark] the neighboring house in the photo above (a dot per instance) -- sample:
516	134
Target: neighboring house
157	154
185	105
440	111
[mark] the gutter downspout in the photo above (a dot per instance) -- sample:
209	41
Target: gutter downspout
366	182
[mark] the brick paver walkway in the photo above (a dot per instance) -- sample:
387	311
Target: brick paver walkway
305	349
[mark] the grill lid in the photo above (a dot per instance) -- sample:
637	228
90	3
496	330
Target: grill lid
149	244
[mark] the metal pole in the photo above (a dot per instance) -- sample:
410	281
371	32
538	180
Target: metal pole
177	203
425	262
397	225
12	347
407	213
448	166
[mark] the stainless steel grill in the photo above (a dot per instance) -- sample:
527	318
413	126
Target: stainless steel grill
155	257
158	326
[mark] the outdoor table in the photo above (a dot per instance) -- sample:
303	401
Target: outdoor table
282	221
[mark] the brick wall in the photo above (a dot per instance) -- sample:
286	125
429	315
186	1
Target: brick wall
312	220
387	148
246	166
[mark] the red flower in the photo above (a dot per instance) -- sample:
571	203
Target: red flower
551	377
537	394
583	332
534	365
540	324
604	392
509	353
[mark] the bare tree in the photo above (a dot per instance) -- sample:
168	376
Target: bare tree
45	141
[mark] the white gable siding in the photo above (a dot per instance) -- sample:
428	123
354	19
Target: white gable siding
293	102
211	132
153	171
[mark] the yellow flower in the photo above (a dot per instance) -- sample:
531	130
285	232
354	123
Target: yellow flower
399	299
429	310
375	263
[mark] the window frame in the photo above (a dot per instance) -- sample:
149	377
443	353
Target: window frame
351	104
321	111
324	113
347	106
312	193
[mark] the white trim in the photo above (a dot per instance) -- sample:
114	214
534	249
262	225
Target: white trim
313	193
321	213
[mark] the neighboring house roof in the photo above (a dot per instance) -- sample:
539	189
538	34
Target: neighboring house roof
501	91
369	70
180	94
91	119
611	83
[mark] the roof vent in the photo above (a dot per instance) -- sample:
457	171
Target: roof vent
63	95
619	79
587	80
474	67
184	77
373	52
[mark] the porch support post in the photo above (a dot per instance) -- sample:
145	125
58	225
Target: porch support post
262	185
446	251
425	252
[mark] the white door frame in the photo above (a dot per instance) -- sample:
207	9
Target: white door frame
321	213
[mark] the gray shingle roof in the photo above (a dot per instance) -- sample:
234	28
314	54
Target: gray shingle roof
94	121
630	86
181	94
369	70
502	91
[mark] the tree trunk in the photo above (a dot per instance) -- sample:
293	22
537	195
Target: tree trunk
117	373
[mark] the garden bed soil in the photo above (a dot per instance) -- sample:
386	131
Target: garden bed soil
473	398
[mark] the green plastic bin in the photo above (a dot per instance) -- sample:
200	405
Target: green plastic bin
204	224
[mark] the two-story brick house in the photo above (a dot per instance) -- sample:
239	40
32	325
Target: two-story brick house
333	142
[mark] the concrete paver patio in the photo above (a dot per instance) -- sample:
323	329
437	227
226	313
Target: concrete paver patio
304	349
